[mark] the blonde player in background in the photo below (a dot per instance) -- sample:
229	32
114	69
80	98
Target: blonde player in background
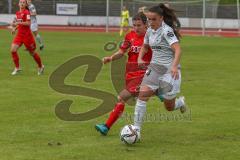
124	27
34	25
142	9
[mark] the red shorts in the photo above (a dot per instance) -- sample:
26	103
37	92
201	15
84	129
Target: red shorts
27	40
133	82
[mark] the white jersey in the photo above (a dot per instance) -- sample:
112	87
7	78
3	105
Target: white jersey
160	42
32	9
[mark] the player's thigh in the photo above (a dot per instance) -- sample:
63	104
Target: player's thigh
150	79
175	86
30	43
145	92
17	43
124	24
133	83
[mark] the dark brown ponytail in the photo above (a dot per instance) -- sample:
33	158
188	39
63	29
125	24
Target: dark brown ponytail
169	17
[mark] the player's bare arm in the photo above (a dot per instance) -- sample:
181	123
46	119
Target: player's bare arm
13	26
142	52
117	55
177	51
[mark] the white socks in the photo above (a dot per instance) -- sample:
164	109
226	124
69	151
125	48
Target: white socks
140	110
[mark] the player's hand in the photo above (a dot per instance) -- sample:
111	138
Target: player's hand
141	63
13	30
174	72
13	24
106	60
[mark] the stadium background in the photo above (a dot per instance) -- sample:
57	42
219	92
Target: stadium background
209	16
193	9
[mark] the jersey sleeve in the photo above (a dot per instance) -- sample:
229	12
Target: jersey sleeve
33	9
126	43
146	38
27	16
170	37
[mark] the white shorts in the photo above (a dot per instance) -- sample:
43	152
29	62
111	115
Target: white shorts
34	27
166	85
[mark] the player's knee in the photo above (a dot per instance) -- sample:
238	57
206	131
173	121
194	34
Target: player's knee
143	97
35	33
13	49
145	93
120	99
31	53
169	105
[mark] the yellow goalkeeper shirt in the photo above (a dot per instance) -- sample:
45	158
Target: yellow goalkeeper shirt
125	16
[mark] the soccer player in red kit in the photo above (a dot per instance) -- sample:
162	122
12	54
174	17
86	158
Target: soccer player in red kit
24	36
133	76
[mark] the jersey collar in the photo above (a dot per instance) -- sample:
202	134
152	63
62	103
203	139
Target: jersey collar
159	29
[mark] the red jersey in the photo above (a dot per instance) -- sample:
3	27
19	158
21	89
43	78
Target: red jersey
134	42
23	16
134	74
24	34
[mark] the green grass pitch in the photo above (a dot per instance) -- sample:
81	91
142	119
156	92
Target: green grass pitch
30	130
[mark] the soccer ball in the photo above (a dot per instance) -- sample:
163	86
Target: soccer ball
129	134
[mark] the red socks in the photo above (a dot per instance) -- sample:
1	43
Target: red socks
37	59
115	114
15	59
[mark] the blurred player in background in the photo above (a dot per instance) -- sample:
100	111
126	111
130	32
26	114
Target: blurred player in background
142	9
124	26
34	25
24	36
133	75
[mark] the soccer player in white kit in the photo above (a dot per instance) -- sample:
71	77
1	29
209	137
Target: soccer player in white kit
163	74
34	25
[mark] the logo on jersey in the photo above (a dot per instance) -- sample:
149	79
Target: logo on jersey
135	49
156	47
28	17
19	20
170	34
148	72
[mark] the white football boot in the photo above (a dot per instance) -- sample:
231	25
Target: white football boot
16	71
41	70
183	108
